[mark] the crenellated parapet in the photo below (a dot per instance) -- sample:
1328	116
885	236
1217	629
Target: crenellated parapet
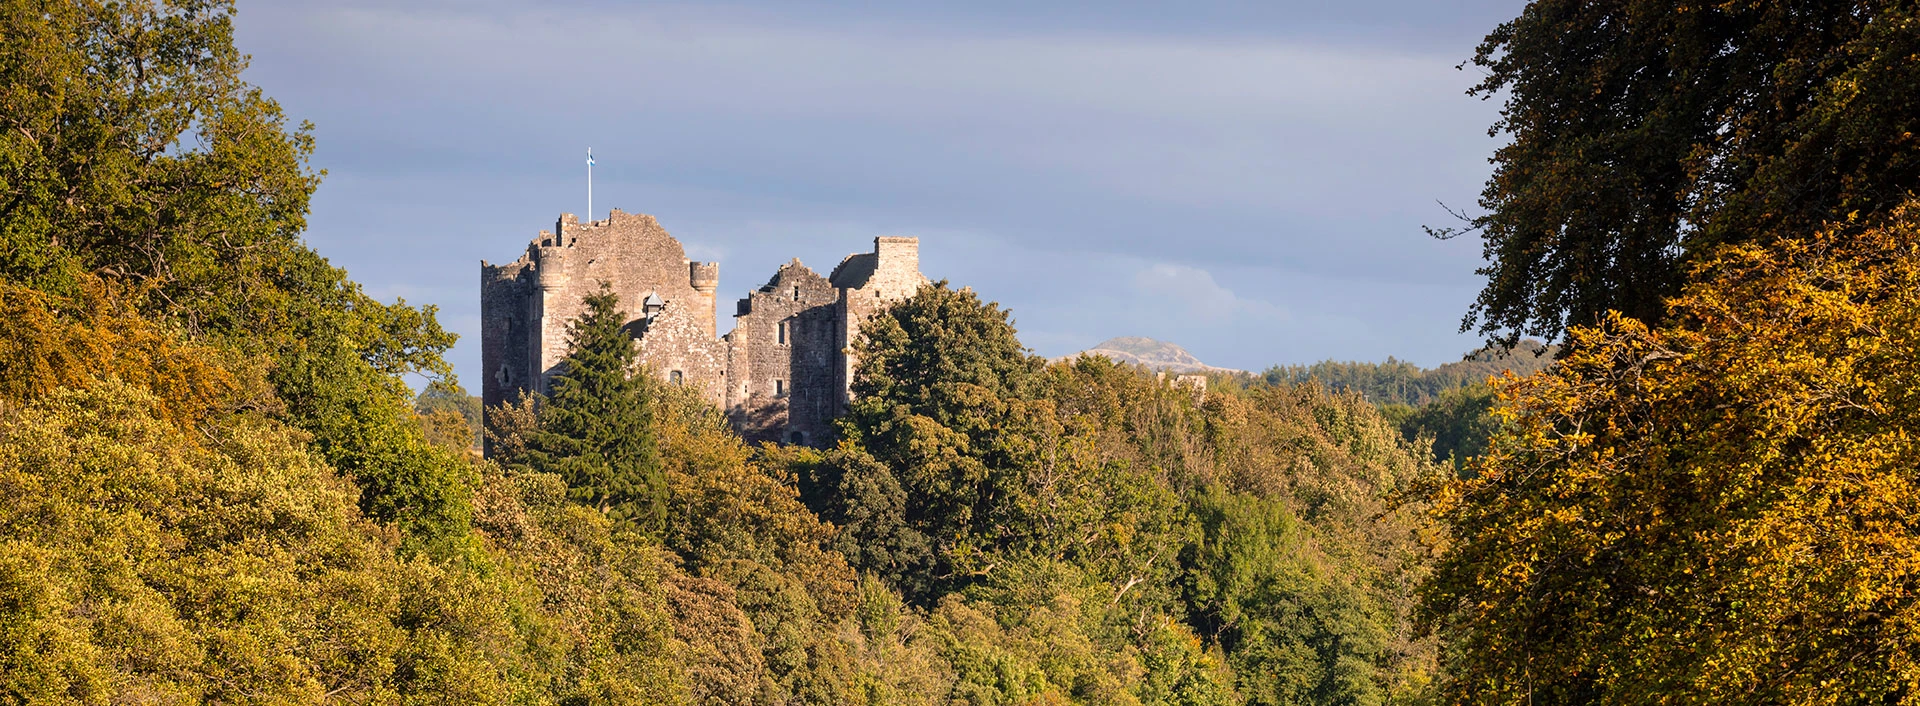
704	276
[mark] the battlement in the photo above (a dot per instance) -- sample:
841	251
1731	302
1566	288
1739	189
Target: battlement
897	250
704	276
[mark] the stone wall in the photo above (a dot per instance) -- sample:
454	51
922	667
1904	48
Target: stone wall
506	327
525	305
678	346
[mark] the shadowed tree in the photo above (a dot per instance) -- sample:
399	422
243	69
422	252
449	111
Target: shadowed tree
1646	132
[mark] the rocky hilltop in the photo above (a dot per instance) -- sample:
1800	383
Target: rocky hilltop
1158	355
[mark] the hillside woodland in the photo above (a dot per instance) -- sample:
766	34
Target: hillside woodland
223	490
1397	382
1449	408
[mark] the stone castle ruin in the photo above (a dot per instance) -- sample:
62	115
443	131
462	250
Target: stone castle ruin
782	374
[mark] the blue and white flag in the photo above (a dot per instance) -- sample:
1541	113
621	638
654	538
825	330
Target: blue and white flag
589	157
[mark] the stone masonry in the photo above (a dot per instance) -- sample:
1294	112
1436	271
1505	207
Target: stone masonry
782	374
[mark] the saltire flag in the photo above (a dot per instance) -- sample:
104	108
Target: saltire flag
589	157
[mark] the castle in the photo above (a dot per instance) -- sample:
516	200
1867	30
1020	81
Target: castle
782	374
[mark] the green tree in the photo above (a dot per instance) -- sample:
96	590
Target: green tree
1403	383
1086	521
217	560
1304	558
1459	422
933	354
1647	132
451	417
595	430
150	560
940	398
865	501
1293	632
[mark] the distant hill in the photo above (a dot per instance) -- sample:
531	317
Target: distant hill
1157	355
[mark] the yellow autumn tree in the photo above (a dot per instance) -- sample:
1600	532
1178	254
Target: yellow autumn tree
1724	509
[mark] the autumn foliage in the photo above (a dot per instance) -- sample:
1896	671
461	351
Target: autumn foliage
49	342
1716	510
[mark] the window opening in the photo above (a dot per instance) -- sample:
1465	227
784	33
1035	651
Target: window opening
783	333
797	437
674	377
779	388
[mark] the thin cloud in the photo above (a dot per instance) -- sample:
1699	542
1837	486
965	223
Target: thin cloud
1192	291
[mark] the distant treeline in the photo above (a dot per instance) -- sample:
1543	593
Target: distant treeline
1400	382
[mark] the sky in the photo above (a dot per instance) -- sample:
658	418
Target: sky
1246	179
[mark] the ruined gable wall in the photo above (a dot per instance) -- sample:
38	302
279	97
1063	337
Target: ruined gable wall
778	385
678	341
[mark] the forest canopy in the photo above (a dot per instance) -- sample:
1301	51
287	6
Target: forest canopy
1714	509
1700	489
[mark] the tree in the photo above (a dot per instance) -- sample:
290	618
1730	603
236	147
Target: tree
929	352
1458	422
595	429
1647	132
865	501
1305	549
451	417
132	153
944	397
1403	383
1715	510
147	559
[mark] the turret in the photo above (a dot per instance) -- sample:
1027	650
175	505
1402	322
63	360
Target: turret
896	266
704	277
550	275
550	267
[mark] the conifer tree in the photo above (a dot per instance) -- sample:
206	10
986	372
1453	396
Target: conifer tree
595	430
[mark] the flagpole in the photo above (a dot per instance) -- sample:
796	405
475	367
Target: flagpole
589	218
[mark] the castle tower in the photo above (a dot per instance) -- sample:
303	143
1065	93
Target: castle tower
781	358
